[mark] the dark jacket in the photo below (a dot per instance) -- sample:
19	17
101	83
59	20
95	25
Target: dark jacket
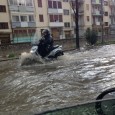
48	40
45	45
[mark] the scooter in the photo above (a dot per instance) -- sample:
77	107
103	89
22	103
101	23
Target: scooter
54	53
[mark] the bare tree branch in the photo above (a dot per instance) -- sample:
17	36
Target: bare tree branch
73	5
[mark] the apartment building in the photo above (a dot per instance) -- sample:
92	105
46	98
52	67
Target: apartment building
41	14
54	15
57	16
5	27
112	16
85	17
23	18
68	20
22	15
112	11
100	15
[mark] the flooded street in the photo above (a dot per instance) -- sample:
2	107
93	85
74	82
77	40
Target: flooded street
74	78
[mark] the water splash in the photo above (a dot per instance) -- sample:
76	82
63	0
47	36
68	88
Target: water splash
28	58
36	38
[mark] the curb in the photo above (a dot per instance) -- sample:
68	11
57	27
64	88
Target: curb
1	60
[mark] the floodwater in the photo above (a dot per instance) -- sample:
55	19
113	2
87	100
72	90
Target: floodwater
74	78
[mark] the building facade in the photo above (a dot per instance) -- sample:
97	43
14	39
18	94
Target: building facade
20	19
5	26
54	15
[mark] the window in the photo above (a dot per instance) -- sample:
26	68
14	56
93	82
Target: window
65	0
60	18
39	3
59	5
15	18
99	19
41	18
2	8
106	13
88	18
106	3
106	23
66	12
56	18
23	18
54	4
3	25
87	7
13	2
21	2
73	4
67	24
51	18
31	18
49	3
29	2
31	32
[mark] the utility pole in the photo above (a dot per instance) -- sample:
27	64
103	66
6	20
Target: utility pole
102	12
75	7
77	24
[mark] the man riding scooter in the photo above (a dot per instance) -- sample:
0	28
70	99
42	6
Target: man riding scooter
45	44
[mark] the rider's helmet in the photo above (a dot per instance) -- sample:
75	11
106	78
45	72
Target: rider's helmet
45	32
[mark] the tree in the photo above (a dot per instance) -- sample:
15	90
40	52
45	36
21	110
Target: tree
74	6
91	36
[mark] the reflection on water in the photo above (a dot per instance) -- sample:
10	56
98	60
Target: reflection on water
74	78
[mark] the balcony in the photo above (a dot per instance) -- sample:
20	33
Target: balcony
96	23
50	10
81	1
16	24
96	2
81	24
31	24
21	9
112	3
81	12
96	13
23	24
56	24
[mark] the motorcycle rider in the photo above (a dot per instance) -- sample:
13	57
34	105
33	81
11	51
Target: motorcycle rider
46	43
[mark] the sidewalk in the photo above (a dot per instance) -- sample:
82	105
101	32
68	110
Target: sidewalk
6	58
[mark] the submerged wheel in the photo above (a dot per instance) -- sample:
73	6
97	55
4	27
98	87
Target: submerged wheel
98	105
58	54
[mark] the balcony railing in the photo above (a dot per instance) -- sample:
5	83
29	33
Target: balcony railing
81	12
50	10
23	24
96	13
96	3
56	24
96	23
81	24
21	9
80	1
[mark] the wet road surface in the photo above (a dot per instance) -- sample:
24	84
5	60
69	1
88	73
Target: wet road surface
74	78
